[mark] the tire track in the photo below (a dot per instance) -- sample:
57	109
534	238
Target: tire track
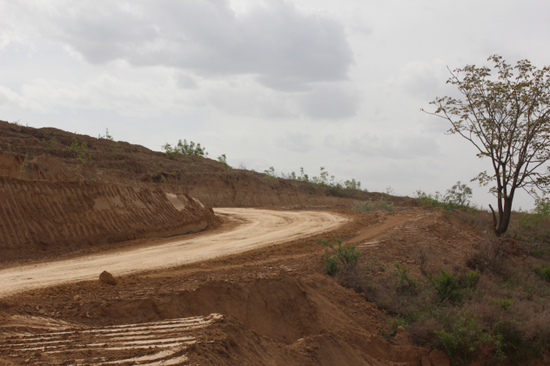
153	343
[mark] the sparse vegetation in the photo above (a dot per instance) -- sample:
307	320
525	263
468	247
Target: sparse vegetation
222	159
456	197
53	143
107	136
24	166
324	180
381	205
405	282
493	303
270	173
79	151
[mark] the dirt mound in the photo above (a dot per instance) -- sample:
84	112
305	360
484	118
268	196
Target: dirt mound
43	218
268	316
421	235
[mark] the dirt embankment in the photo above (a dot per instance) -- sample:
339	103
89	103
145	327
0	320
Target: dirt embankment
39	218
239	196
51	154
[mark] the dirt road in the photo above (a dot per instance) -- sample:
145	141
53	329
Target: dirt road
257	228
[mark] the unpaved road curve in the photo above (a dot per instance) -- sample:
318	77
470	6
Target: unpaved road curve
259	228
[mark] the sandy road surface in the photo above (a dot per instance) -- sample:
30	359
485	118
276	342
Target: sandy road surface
259	228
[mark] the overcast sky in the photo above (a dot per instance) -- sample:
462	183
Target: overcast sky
287	84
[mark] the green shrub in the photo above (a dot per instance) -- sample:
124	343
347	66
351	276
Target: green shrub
446	285
170	151
302	178
542	205
365	206
511	341
381	205
384	205
222	159
458	196
107	136
270	173
543	272
405	282
191	149
184	148
338	188
330	262
504	303
428	199
341	258
462	337
472	278
352	184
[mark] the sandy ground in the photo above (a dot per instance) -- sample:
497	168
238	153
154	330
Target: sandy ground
257	228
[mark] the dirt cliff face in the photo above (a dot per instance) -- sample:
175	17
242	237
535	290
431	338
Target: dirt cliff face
48	218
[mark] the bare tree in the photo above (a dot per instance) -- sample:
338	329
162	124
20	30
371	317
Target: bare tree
507	118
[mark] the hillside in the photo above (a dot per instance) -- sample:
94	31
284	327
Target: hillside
51	154
197	283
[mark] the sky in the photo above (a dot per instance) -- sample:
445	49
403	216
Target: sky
283	84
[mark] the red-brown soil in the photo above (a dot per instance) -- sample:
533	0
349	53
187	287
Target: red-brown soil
276	304
49	157
48	218
272	305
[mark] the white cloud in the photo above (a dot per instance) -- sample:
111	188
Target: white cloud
284	48
185	81
331	102
401	145
296	142
106	92
422	80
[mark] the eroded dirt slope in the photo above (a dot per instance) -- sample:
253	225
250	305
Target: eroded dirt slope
46	218
48	155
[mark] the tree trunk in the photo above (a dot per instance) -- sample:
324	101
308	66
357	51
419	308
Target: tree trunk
504	216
